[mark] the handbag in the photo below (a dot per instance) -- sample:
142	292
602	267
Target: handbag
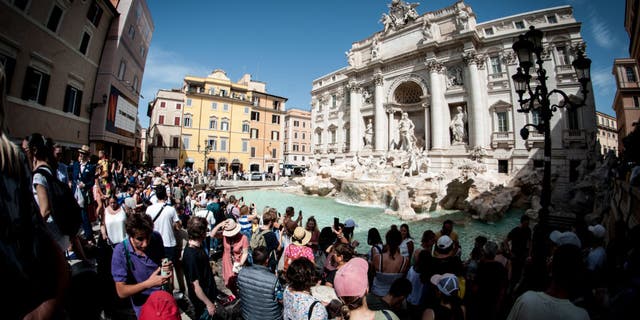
79	197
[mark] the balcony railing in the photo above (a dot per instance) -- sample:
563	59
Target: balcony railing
503	139
567	68
574	136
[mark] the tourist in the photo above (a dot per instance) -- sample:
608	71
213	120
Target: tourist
260	290
390	265
286	233
83	177
375	241
419	275
200	281
447	230
245	221
136	262
520	240
235	251
485	296
352	286
325	240
398	292
160	305
567	270
347	231
266	237
112	228
61	168
35	273
503	257
471	265
406	247
444	259
427	242
232	210
449	305
298	247
165	220
340	254
312	227
597	256
298	303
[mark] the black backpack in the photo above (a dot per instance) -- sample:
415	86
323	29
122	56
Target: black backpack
64	208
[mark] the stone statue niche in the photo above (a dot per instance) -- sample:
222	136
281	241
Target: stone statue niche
458	127
368	134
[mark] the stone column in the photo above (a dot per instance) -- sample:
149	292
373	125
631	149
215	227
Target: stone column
391	126
381	129
355	138
438	110
475	113
427	127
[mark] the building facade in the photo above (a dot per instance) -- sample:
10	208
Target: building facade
607	133
51	53
626	103
297	138
117	91
267	134
447	78
165	129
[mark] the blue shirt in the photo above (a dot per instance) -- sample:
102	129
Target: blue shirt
142	266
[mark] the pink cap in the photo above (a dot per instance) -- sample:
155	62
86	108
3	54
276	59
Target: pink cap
351	279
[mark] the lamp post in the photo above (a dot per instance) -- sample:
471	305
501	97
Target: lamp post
205	151
528	45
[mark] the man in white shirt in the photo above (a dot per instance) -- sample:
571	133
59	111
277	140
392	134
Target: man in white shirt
165	219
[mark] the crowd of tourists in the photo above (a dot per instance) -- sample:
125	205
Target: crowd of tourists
88	239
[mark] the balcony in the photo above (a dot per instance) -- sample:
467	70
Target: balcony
535	139
333	114
503	139
576	137
565	74
498	81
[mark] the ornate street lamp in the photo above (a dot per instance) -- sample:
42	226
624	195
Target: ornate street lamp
527	48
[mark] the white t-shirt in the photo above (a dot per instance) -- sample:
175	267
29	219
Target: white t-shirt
115	224
204	213
404	250
533	305
164	224
61	239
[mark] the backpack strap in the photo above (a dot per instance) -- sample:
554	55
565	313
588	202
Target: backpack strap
127	256
158	215
386	314
311	308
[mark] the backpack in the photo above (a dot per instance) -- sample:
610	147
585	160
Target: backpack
64	208
258	239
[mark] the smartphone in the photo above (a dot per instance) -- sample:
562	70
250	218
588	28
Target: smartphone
300	212
336	223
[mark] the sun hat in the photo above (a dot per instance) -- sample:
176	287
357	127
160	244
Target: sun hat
444	242
160	305
324	293
84	149
231	228
562	238
349	223
300	236
598	231
447	283
351	279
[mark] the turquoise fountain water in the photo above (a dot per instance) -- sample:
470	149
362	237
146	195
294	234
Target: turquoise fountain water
325	209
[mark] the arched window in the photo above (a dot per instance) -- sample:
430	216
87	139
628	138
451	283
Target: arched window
224	125
213	123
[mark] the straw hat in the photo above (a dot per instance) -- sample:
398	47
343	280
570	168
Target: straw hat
231	228
84	149
300	236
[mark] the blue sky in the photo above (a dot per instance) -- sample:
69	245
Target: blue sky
288	43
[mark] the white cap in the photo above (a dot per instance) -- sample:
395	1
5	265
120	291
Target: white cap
598	231
444	242
562	238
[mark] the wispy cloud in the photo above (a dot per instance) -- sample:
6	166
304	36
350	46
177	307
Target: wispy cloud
602	33
603	81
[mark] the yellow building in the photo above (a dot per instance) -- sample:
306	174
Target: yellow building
215	123
267	131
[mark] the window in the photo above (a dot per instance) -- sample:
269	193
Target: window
178	106
333	136
187	121
296	147
224	125
223	92
503	166
276	105
572	115
176	121
163	104
223	144
503	124
160	119
36	86
552	19
95	13
134	85
275	135
84	44
303	147
159	142
212	91
488	31
245	145
636	102
519	24
303	124
631	74
185	142
175	142
254	133
274	153
213	123
246	110
296	123
303	157
295	135
214	106
54	18
319	137
563	55
253	152
245	127
496	67
255	116
535	116
132	32
72	100
20	4
188	102
295	158
213	143
142	50
225	107
275	119
9	66
303	136
122	70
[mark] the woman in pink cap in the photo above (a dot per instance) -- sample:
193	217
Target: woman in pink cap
235	252
352	285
